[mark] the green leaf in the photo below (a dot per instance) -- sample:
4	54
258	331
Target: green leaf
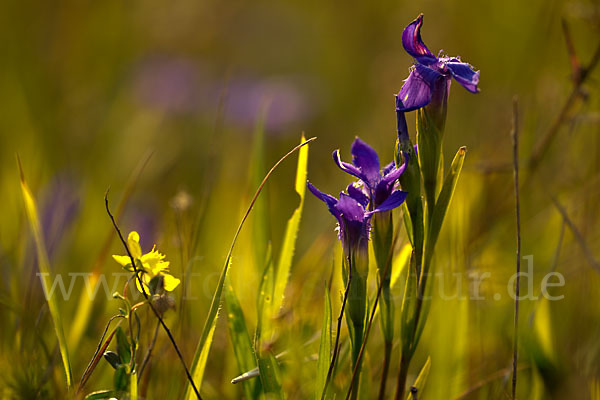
123	348
324	348
240	338
203	348
101	394
265	300
44	268
270	376
267	364
121	379
421	380
441	205
291	232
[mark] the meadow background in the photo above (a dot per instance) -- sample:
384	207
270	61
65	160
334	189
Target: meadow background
89	90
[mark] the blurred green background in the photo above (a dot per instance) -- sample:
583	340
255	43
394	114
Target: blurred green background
89	89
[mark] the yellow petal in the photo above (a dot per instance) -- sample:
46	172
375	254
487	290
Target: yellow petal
133	241
170	282
162	266
123	260
153	261
145	279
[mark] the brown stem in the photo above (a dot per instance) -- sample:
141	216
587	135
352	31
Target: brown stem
515	140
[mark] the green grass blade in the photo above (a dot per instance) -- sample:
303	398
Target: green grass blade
324	348
421	380
44	268
270	376
267	364
240	338
205	342
284	264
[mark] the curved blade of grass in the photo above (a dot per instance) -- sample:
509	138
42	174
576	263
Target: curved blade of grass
44	269
201	354
291	233
240	338
421	380
324	348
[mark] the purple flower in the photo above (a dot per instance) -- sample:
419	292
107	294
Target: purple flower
380	186
429	79
352	215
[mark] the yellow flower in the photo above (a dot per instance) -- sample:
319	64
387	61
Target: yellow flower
151	264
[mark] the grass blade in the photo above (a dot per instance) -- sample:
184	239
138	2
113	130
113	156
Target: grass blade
240	338
291	232
203	348
325	347
420	382
267	364
44	269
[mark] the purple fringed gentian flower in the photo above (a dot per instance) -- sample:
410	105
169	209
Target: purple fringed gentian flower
429	79
380	186
351	212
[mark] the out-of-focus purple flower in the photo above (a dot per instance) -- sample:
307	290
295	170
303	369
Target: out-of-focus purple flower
352	215
282	100
171	85
379	185
430	77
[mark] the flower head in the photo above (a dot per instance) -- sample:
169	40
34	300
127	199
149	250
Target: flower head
150	265
379	185
429	79
352	215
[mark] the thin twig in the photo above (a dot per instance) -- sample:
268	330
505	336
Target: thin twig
379	290
544	143
137	274
337	334
515	141
149	352
578	236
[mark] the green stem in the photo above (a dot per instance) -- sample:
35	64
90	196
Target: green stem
401	383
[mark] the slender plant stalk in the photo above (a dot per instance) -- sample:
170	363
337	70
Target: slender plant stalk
149	352
165	327
337	334
366	337
401	383
515	140
386	368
